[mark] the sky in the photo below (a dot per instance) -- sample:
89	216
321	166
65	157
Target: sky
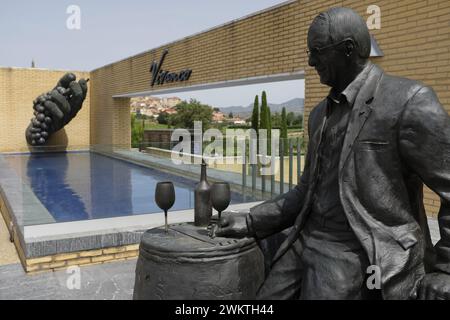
114	30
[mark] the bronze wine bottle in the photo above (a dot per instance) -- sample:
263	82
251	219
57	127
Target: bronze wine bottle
202	195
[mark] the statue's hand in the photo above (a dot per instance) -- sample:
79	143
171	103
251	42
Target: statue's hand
233	225
53	110
435	286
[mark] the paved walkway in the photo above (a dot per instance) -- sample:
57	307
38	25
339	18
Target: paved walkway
109	281
8	253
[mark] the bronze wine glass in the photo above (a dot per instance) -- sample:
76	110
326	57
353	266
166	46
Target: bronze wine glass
165	198
220	196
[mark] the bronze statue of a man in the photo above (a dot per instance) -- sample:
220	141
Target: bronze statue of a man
373	142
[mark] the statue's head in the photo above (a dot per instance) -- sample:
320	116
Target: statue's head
338	41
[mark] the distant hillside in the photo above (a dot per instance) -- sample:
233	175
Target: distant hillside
294	105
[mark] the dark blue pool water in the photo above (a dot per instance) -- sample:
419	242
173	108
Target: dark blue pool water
81	186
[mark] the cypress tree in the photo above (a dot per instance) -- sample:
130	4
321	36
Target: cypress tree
263	116
255	114
265	119
255	119
284	130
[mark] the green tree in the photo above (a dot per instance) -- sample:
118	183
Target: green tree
255	114
265	118
298	121
263	122
163	118
269	130
255	120
290	118
189	112
137	132
276	120
284	132
230	115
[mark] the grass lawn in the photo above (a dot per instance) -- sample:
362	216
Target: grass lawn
154	125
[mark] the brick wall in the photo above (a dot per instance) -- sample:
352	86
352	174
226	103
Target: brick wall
90	257
18	88
415	38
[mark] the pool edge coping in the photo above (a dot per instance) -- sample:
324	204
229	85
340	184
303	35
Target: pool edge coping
134	223
69	237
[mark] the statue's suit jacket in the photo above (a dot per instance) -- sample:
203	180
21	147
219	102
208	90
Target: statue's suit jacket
398	136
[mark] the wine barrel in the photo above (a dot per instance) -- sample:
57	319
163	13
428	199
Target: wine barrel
186	264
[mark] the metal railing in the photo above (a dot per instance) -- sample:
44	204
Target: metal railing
277	182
